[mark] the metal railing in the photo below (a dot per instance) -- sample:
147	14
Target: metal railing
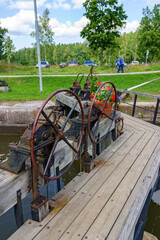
135	101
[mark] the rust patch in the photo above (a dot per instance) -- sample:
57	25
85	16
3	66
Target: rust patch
58	204
99	163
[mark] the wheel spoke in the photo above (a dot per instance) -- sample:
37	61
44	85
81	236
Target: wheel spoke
107	98
51	155
50	122
71	111
68	143
44	144
102	112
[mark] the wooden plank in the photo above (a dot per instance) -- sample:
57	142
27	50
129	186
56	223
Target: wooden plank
10	183
141	123
103	196
65	220
137	127
65	217
148	176
111	211
30	228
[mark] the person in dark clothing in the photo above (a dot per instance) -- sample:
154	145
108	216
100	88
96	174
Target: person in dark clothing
121	64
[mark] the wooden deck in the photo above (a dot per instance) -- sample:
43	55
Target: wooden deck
107	202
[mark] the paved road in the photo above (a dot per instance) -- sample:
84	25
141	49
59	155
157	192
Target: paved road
100	74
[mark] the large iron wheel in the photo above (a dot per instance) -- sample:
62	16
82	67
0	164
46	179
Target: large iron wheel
94	130
59	133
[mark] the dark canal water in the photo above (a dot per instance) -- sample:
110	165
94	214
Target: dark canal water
7	221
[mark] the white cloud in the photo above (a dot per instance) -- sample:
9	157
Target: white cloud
23	23
152	2
130	27
20	24
78	3
67	28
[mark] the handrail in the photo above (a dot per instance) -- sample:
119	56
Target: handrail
144	95
138	93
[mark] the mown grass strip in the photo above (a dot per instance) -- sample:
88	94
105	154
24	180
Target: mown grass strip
24	89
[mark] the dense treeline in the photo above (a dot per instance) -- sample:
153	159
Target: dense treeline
132	46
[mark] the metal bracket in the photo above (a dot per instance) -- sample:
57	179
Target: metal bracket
39	208
18	211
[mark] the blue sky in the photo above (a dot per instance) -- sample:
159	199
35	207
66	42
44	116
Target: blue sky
66	18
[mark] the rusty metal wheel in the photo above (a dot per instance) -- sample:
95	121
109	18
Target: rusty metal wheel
95	133
45	116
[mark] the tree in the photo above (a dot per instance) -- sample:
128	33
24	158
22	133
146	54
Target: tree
128	46
9	49
149	34
3	31
45	32
105	18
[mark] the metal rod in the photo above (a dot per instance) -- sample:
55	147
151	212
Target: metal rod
38	47
134	105
156	111
71	111
58	180
35	184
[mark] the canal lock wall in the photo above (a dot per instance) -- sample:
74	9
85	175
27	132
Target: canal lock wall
16	115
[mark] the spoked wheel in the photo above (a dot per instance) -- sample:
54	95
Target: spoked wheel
125	69
114	69
46	116
96	132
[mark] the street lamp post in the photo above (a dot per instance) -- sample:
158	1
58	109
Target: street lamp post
38	47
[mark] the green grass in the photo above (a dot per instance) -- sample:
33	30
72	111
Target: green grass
17	69
27	88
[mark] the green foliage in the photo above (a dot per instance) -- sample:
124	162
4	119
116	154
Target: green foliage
3	31
45	33
9	49
105	17
101	34
149	34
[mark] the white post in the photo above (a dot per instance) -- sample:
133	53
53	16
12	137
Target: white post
147	56
38	47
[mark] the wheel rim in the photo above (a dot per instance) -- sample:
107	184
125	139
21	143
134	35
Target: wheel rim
59	135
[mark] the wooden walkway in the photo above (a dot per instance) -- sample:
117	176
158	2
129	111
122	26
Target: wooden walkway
107	202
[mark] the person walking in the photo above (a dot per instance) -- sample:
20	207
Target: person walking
121	64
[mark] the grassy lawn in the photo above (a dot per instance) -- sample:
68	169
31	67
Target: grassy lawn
17	69
27	88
